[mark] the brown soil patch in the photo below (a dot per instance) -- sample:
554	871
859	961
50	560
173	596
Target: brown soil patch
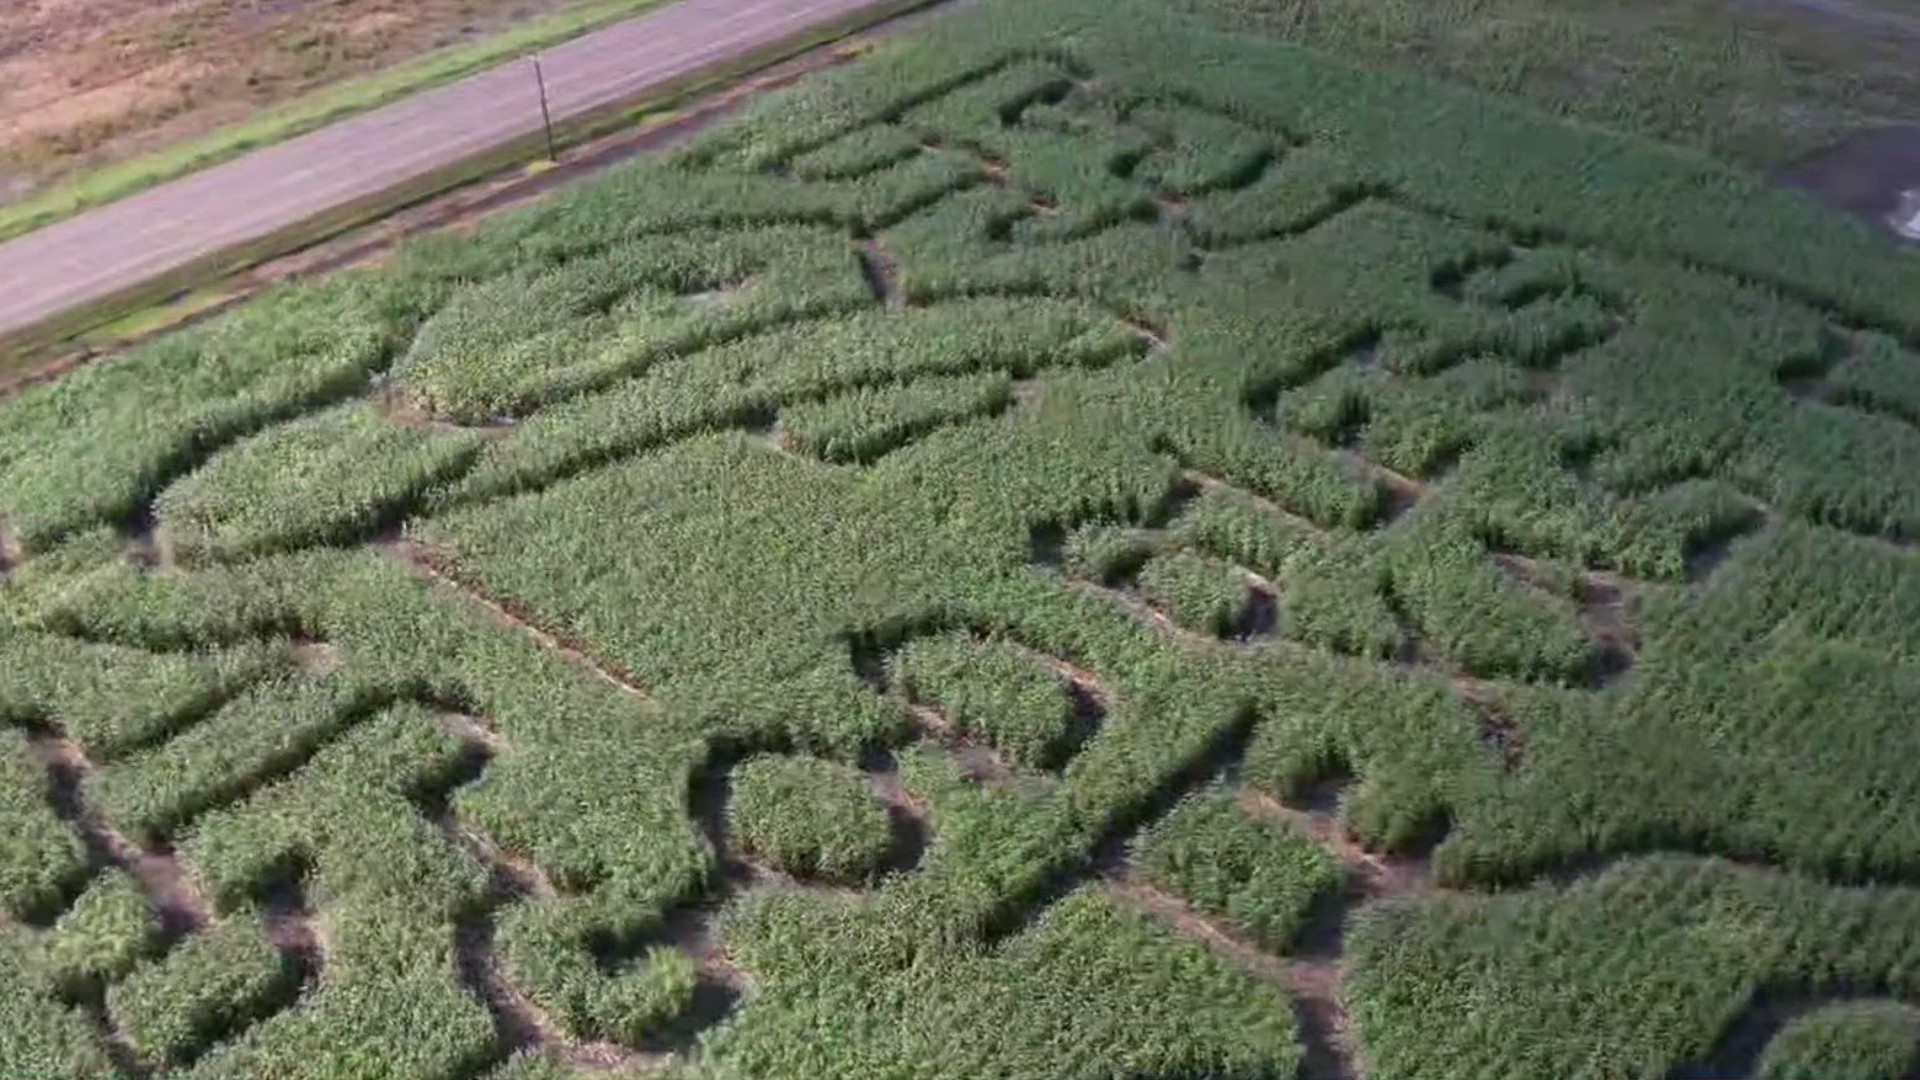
516	873
1175	914
1770	1007
1314	974
397	408
473	733
882	272
120	1051
1600	602
316	658
295	931
1496	727
148	543
1146	613
1091	701
883	778
709	795
1260	617
1326	1033
907	815
518	1023
1155	333
1253	628
151	95
1403	491
774	436
86	82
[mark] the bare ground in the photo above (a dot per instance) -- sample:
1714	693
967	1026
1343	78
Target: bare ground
85	82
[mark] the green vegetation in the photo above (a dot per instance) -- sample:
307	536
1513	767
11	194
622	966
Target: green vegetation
506	345
112	699
1868	1039
1705	938
43	856
333	477
1261	877
1475	616
996	691
104	441
268	729
861	426
1120	996
1750	83
810	818
108	929
203	989
1196	592
1562	532
38	1034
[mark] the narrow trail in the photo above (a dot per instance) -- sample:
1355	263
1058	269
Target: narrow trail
908	816
882	272
1600	602
1310	974
10	553
1315	972
296	931
424	563
162	879
169	889
519	1023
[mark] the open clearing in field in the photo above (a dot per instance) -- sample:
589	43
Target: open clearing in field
1077	545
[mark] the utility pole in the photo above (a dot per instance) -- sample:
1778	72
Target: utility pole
546	116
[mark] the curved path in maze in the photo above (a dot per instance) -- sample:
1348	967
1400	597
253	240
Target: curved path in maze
1291	613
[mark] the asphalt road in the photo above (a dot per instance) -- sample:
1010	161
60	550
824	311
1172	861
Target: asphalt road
115	249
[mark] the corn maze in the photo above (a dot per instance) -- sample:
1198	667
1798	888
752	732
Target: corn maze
1073	546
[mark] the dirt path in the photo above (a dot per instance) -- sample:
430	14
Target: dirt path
158	236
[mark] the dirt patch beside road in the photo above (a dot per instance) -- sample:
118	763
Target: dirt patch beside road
84	82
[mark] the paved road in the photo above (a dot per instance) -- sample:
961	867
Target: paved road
116	249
